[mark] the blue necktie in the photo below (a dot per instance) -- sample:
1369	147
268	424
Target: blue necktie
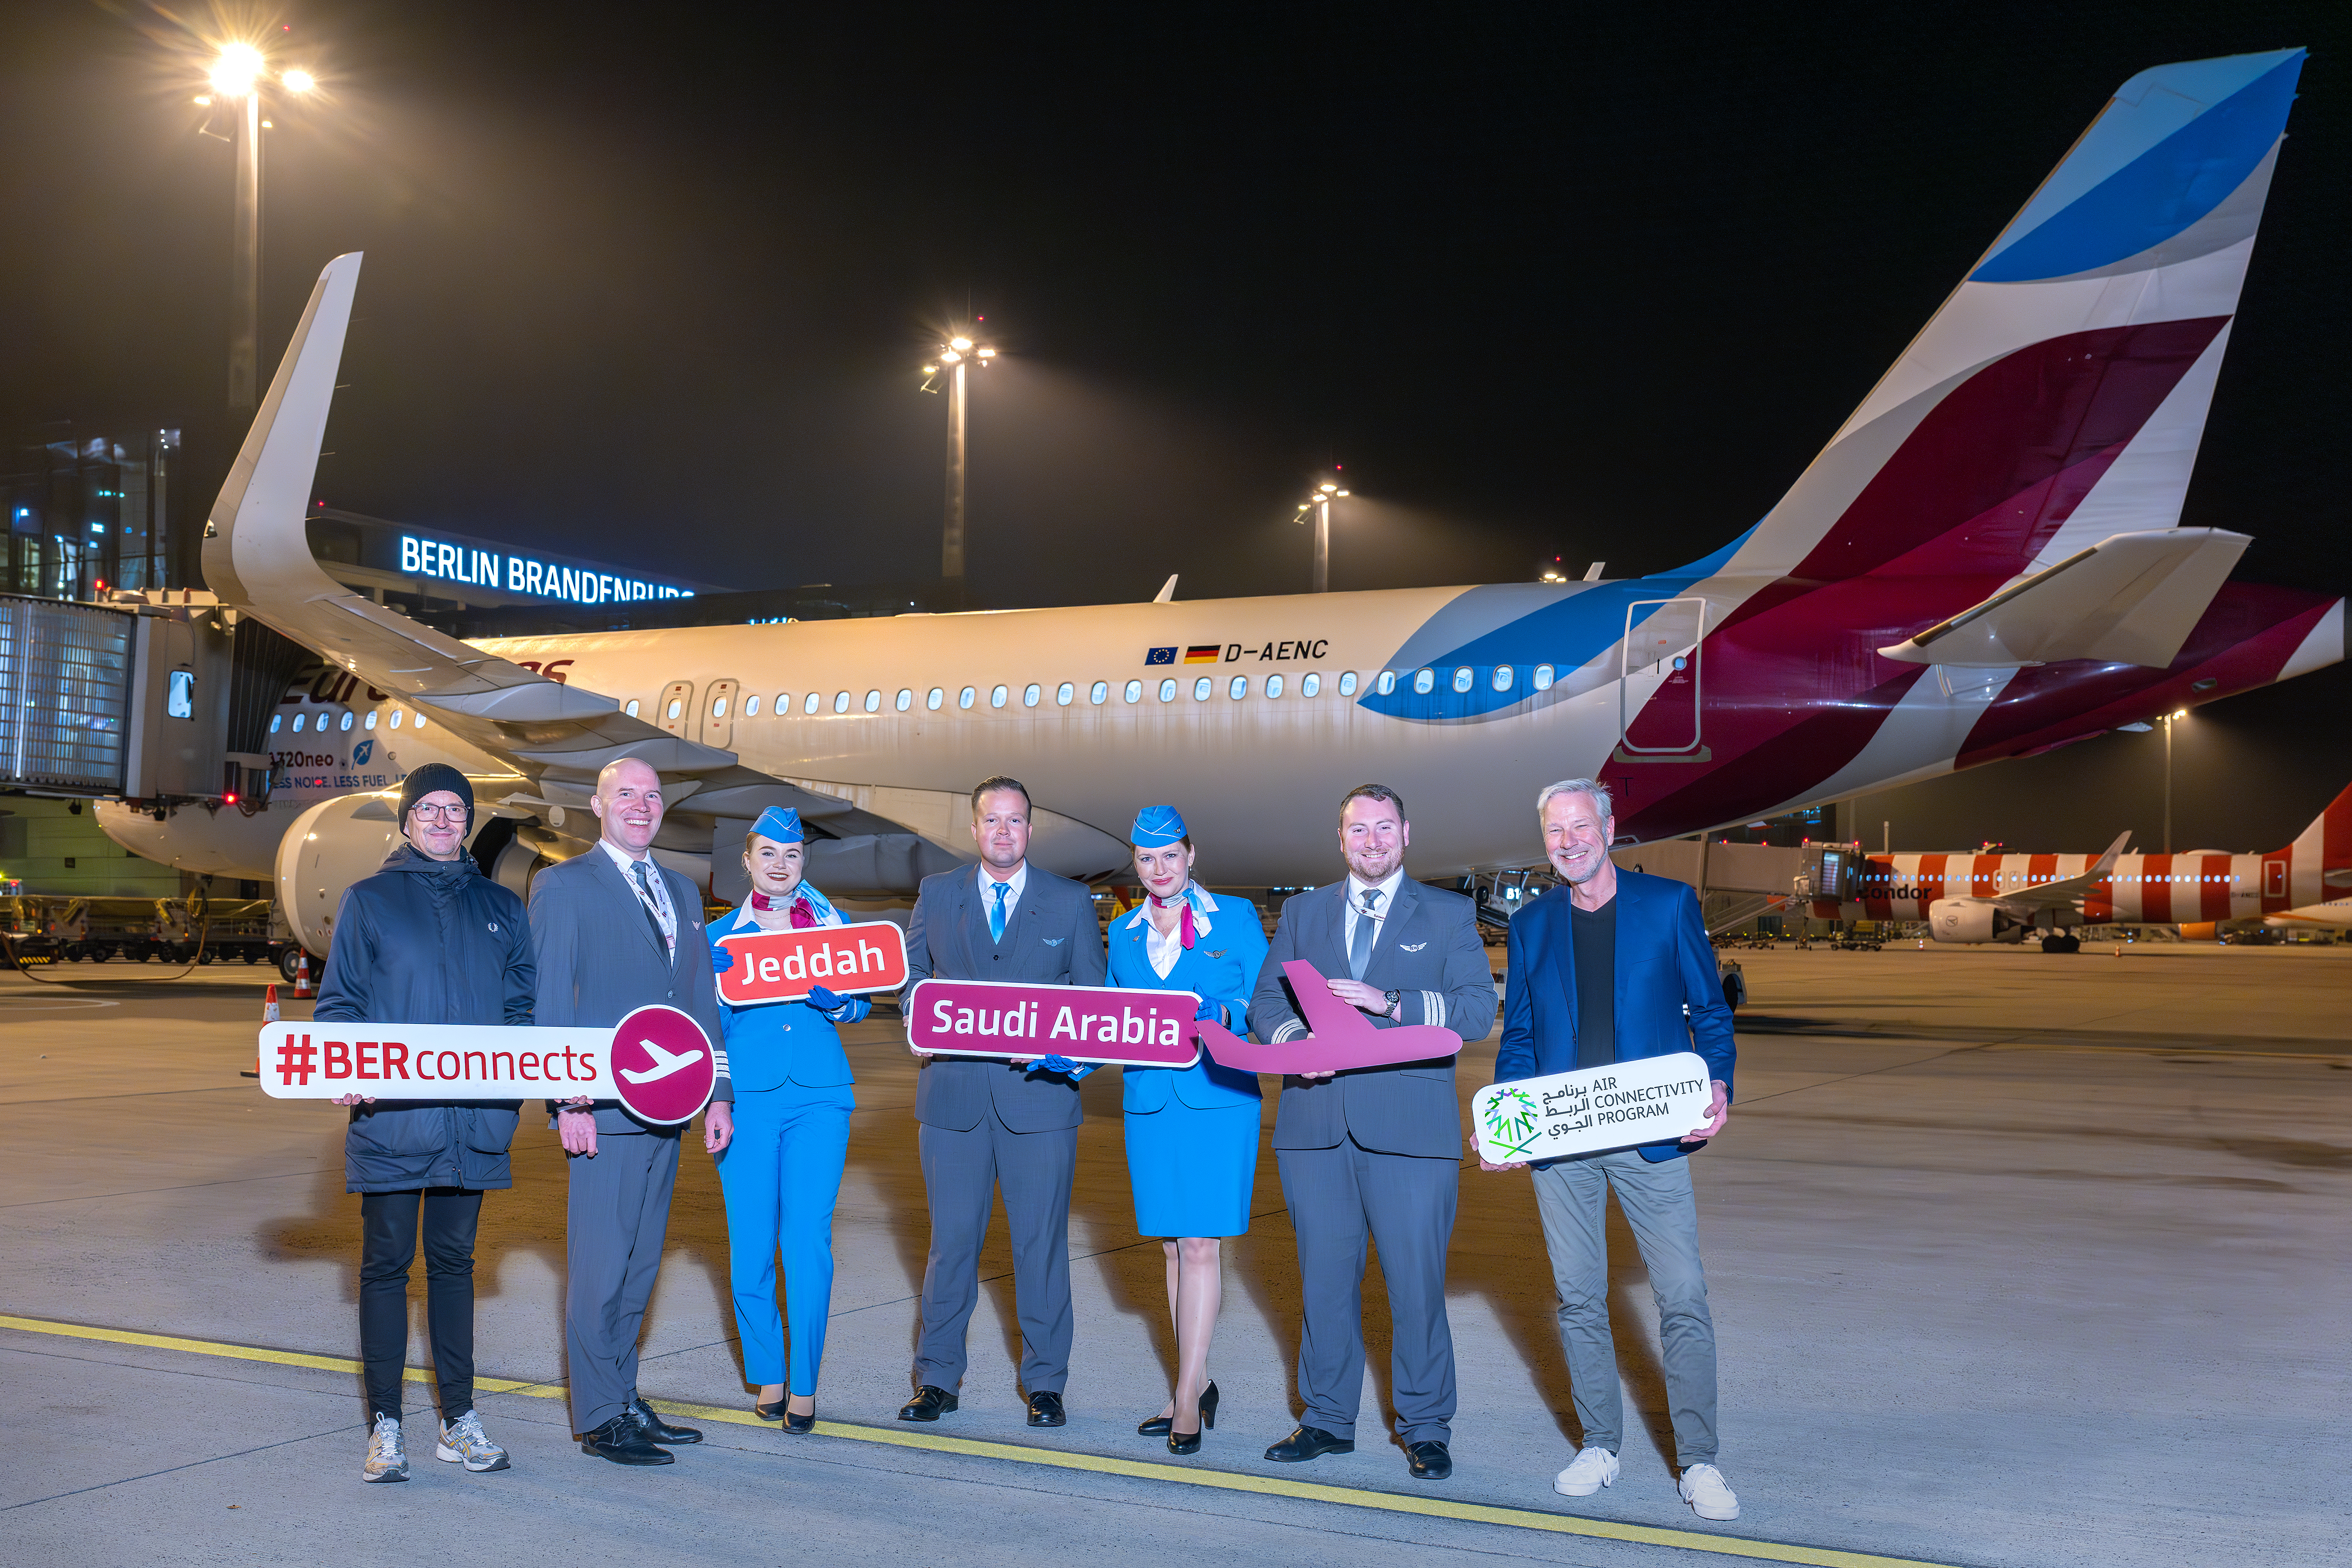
645	896
1359	949
996	912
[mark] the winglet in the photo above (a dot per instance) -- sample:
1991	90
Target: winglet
1167	594
2106	861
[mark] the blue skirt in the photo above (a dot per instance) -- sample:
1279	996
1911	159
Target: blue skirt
1192	1170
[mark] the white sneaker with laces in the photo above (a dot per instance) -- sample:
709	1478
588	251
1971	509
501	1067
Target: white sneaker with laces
1710	1497
463	1441
387	1456
1592	1469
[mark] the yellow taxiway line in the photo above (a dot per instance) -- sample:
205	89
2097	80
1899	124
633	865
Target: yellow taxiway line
1223	1480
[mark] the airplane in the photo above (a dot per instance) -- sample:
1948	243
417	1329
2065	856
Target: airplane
1985	562
665	1064
2004	897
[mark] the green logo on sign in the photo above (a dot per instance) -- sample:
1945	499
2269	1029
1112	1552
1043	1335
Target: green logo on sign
1511	1120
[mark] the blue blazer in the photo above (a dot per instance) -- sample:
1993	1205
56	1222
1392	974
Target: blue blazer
1221	967
782	1042
1665	963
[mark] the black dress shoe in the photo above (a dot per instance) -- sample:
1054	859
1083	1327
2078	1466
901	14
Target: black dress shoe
659	1430
768	1412
1428	1461
1184	1442
1161	1425
624	1442
799	1425
1309	1443
1046	1410
929	1405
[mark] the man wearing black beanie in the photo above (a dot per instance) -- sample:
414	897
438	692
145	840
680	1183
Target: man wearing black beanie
427	940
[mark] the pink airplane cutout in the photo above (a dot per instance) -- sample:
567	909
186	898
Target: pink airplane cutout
1341	1036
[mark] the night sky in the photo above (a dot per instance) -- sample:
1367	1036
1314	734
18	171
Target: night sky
651	286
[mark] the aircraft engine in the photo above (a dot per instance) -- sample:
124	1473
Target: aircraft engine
1971	919
330	847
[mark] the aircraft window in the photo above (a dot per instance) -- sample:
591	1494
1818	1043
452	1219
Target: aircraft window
933	698
1273	686
1098	693
783	703
1063	693
1347	683
1543	677
1200	689
1462	677
1424	681
299	720
1502	678
963	698
1309	685
395	719
675	708
346	723
906	698
1134	692
277	719
1239	689
810	703
1386	683
1029	695
371	718
751	707
874	702
996	698
719	708
1168	691
840	701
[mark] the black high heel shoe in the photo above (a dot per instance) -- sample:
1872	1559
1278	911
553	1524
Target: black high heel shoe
767	1411
1162	1425
1183	1441
801	1425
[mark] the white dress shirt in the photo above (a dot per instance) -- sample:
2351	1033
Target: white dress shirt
665	914
988	886
1387	902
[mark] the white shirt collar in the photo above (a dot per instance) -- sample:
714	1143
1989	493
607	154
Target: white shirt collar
1204	906
1018	882
622	857
1387	885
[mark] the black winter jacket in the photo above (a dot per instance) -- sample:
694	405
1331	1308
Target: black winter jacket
429	941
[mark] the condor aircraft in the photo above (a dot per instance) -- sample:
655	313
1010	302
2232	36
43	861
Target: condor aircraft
2002	897
1985	562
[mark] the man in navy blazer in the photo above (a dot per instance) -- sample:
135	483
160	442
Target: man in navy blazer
1614	966
990	1123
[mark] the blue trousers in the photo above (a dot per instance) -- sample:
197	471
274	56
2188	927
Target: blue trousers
781	1176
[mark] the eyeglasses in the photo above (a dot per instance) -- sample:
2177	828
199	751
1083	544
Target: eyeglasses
439	812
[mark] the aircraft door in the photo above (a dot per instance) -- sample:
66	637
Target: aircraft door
717	710
674	710
1658	700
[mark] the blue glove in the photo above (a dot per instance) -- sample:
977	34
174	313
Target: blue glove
822	1000
1213	1012
1062	1065
722	959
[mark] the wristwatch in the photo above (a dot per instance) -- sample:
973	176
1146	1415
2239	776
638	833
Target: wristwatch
1395	997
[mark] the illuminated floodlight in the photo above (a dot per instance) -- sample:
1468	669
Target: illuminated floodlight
2180	712
203	101
235	71
930	370
960	344
299	81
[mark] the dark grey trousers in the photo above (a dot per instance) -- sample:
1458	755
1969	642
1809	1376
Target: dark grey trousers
1342	1201
1572	1196
615	1222
961	1172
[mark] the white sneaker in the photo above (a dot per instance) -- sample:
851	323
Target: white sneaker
463	1441
1710	1497
1592	1469
387	1456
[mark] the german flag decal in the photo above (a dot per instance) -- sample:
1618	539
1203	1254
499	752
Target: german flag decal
1203	653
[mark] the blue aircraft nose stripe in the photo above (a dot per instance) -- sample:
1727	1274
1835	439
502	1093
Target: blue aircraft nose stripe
2158	194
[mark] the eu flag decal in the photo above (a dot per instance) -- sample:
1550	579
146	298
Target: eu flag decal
1159	655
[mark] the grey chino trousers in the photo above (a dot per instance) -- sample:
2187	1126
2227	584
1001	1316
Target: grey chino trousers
1572	1196
615	1220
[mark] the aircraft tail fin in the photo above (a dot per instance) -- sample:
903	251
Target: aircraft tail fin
2325	845
2059	395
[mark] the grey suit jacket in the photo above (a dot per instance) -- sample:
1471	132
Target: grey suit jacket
1428	949
1053	939
600	960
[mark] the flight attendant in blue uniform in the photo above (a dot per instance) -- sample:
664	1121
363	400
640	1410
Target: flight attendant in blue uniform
1192	1135
783	1171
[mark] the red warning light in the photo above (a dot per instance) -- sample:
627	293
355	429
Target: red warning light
229	799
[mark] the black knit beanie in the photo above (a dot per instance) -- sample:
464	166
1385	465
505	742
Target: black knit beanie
430	779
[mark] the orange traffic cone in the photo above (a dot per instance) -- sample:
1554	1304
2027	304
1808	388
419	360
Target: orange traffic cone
268	1015
302	976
